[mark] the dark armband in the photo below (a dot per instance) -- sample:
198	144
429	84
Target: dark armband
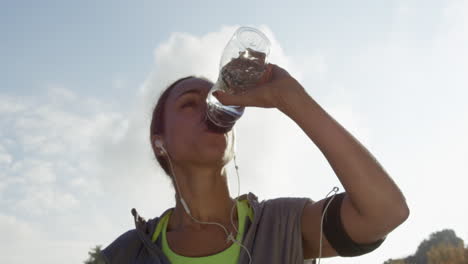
335	233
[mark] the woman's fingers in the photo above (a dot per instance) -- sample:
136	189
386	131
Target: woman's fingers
234	99
258	96
265	94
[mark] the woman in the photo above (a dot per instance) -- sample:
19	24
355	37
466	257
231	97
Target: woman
282	230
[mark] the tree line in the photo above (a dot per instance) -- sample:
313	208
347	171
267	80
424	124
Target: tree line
442	247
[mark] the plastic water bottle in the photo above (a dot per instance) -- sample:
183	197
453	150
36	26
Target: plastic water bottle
243	64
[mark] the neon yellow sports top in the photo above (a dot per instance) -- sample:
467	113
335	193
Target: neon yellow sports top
228	256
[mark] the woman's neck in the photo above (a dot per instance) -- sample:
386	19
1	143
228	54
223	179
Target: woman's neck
207	196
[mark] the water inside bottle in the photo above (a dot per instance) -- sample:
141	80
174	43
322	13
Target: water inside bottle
236	77
245	71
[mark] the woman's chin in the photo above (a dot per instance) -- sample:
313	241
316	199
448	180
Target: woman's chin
216	158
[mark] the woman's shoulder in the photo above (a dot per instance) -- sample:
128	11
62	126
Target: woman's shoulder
286	203
278	204
128	240
285	208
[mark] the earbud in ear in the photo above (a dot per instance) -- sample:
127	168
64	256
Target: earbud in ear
159	145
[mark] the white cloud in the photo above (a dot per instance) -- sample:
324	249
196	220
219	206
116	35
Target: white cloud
22	239
48	174
5	157
39	172
42	202
9	105
59	95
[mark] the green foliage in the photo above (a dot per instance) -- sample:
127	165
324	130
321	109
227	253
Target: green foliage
95	256
441	247
445	237
447	254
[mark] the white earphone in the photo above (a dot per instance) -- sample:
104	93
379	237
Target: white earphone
160	146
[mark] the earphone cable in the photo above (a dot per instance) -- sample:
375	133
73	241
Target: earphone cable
229	236
335	190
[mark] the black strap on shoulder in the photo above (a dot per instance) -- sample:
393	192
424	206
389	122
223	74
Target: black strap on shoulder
336	234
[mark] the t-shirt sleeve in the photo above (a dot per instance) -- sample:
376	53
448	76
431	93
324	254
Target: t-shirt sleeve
123	248
281	228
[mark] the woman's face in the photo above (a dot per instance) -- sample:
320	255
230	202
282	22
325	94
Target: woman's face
186	136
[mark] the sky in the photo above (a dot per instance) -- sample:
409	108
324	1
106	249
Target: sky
78	80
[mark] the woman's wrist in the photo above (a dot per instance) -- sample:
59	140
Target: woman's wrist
291	99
